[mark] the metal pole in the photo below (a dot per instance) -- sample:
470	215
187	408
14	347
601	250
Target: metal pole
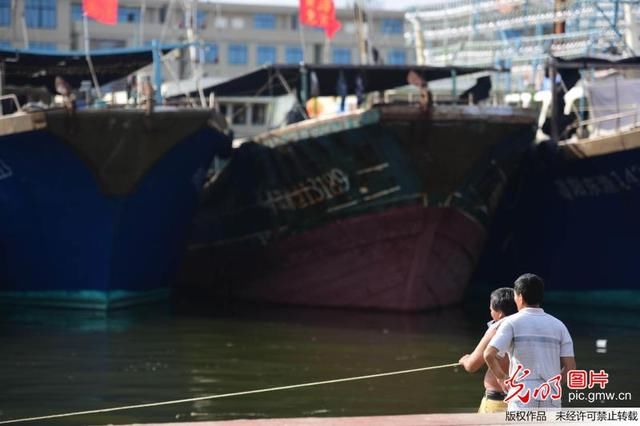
419	38
94	77
14	15
25	34
304	86
1	84
143	9
157	71
302	41
554	101
454	89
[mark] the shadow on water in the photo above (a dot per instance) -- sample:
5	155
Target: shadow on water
63	361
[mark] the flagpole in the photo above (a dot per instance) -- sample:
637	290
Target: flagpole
25	33
302	7
143	10
94	77
303	44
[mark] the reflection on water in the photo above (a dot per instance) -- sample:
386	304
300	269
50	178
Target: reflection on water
61	361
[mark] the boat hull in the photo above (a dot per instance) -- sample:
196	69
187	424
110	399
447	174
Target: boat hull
406	258
99	221
572	218
385	209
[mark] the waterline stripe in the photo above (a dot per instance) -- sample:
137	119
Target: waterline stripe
225	395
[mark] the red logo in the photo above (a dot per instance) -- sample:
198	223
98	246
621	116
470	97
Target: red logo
542	392
579	379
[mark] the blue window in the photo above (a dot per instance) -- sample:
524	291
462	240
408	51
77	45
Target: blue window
5	13
266	55
211	53
397	57
40	13
77	13
42	45
293	55
201	19
392	26
5	43
264	21
238	54
511	33
341	55
128	14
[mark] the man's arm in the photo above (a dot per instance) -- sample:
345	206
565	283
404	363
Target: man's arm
568	363
474	361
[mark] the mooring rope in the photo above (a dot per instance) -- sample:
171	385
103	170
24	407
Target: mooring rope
225	395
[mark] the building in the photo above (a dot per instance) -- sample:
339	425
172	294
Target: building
236	38
521	34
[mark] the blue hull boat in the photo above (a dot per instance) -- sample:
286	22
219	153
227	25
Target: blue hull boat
572	218
95	205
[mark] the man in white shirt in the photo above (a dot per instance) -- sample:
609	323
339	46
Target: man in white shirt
536	341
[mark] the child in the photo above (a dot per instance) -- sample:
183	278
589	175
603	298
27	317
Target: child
501	304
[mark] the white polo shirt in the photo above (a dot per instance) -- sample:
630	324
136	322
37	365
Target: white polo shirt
535	340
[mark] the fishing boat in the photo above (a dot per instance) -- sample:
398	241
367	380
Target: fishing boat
384	207
571	216
95	202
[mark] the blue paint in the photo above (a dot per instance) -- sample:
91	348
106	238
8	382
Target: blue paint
573	222
157	71
99	52
61	237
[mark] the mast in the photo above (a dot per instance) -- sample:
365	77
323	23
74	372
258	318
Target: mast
419	40
361	30
631	35
143	9
25	34
191	16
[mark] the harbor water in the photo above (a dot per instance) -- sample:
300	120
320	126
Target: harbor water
57	361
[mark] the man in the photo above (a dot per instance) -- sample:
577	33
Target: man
534	340
501	305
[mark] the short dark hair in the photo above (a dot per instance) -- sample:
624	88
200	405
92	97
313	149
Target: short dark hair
502	300
530	287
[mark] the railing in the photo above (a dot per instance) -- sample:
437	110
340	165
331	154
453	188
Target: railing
617	116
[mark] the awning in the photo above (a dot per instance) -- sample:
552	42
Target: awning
274	80
569	69
40	68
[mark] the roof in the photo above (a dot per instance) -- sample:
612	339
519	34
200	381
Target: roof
569	69
40	67
271	80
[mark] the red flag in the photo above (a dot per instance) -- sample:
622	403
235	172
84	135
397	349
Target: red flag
320	13
104	11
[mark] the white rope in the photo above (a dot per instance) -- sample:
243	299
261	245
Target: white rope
225	395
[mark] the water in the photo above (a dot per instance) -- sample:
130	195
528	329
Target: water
56	361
